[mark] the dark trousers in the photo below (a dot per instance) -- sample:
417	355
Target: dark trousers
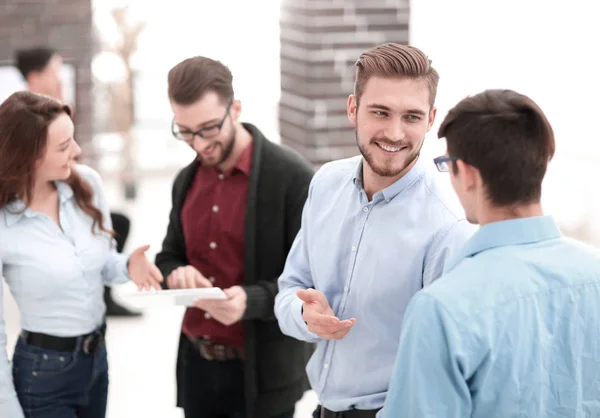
56	384
355	413
121	226
212	388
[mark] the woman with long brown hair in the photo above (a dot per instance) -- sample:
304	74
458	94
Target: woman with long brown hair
56	253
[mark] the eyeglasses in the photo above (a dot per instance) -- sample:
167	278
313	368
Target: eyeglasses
442	163
208	132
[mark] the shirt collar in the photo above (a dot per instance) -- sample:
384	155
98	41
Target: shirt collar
244	163
65	192
398	186
507	233
16	209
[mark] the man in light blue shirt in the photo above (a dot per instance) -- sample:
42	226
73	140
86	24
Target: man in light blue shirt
375	229
512	329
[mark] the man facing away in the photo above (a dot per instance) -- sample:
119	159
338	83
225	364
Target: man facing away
236	211
512	329
375	229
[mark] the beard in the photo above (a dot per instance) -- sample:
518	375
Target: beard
226	148
388	167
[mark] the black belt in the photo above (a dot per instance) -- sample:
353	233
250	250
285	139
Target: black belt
210	351
353	413
87	343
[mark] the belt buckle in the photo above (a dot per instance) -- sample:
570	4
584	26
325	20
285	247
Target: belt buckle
92	342
220	352
204	352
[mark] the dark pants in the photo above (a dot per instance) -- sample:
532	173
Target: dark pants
212	388
121	226
355	413
55	384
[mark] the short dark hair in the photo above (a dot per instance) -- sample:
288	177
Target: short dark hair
33	59
393	60
192	78
507	137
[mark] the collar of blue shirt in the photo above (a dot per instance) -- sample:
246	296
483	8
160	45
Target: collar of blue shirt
504	233
393	190
15	210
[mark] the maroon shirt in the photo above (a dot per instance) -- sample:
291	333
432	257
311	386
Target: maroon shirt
213	220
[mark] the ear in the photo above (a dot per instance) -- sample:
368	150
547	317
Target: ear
432	114
352	109
33	76
236	110
467	175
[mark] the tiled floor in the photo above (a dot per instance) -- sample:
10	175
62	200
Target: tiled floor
142	350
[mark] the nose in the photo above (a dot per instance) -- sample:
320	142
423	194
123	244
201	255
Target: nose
395	130
76	151
199	143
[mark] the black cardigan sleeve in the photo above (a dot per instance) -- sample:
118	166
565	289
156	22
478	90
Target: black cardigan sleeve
172	254
261	296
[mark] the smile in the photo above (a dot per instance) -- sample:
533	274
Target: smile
389	148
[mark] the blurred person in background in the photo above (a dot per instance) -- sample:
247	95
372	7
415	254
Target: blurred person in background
41	69
236	211
56	254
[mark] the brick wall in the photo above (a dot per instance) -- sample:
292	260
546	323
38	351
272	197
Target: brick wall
320	41
65	25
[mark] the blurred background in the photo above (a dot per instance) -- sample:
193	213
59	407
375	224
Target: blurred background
292	66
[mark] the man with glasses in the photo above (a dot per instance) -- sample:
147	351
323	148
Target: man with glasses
236	211
512	327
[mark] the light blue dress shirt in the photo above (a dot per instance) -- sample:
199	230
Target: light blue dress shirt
512	329
369	259
56	276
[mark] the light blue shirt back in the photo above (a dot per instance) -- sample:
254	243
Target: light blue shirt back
369	259
56	274
511	330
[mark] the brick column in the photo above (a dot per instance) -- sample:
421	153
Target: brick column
320	41
65	25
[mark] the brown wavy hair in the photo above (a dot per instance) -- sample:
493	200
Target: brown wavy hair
24	121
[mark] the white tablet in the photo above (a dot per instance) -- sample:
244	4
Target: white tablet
170	297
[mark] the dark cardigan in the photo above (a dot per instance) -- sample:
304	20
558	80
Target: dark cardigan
275	376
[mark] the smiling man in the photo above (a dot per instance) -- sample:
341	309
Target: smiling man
375	229
236	211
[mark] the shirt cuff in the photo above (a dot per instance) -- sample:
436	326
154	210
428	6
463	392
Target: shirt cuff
125	266
297	315
121	261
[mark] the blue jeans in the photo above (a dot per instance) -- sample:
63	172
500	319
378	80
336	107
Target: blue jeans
55	384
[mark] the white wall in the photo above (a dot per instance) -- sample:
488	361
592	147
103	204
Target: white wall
546	49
